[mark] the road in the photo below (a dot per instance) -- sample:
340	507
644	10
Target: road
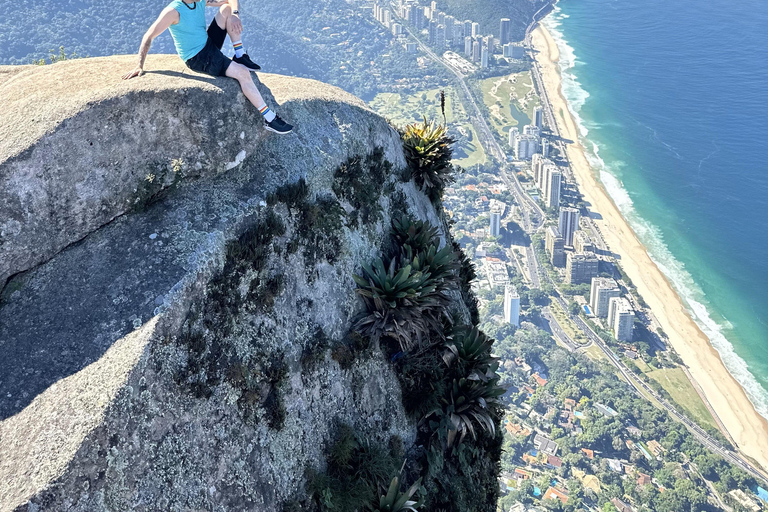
528	205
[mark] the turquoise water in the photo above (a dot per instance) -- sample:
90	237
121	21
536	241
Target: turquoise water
671	99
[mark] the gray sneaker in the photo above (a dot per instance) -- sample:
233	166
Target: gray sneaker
278	126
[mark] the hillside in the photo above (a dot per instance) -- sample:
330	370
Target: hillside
180	327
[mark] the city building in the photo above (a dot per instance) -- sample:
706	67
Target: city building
476	51
468	46
538	162
432	31
489	43
555	247
513	51
496	272
387	17
397	29
475	29
468	28
511	305
433	6
450	21
412	47
525	147
538	117
568	224
514	133
621	318
601	292
440	37
545	148
582	242
545	444
484	55
505	31
531	129
581	268
554	180
441	18
458	33
495	222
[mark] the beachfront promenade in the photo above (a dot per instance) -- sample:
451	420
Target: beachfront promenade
533	218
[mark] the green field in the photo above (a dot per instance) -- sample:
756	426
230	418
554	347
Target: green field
674	381
510	99
402	109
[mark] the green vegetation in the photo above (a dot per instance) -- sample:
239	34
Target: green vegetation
427	148
405	294
360	182
358	471
396	501
447	374
406	108
676	383
510	100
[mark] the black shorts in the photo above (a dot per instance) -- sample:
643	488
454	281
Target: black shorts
210	60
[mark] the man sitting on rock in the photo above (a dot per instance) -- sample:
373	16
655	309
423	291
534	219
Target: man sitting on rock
200	49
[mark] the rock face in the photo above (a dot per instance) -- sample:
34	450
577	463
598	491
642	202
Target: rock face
173	336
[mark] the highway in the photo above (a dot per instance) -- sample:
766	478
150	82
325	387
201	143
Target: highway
528	206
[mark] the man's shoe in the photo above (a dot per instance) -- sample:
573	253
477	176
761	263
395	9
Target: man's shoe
278	126
246	61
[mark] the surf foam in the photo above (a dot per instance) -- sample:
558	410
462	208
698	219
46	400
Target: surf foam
649	234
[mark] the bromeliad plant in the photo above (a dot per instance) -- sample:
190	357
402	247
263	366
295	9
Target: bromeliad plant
469	351
468	402
428	151
415	233
403	303
405	294
396	501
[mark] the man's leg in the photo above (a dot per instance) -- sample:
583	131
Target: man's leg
243	76
234	28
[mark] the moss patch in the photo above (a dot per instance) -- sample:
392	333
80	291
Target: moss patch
361	183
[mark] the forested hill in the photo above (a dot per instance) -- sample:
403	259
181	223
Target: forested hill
334	41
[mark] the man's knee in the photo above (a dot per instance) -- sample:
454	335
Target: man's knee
238	72
225	10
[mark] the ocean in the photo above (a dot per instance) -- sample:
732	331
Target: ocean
672	103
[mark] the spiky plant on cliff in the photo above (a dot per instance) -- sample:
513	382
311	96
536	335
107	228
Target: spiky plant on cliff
428	151
405	293
416	233
469	402
396	501
403	303
469	350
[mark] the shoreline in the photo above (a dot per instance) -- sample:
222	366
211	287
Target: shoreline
725	395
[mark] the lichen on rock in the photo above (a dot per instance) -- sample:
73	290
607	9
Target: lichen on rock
184	342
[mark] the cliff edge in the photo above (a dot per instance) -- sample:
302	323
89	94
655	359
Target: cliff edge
167	334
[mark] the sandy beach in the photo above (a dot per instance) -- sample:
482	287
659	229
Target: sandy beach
722	391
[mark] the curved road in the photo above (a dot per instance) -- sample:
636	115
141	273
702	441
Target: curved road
528	206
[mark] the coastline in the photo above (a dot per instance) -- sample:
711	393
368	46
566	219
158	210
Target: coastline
725	395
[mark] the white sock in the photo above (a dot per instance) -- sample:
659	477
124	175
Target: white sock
269	116
239	50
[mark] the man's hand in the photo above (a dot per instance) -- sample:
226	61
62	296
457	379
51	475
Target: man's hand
235	24
138	71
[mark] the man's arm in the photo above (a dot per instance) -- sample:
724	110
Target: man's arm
168	17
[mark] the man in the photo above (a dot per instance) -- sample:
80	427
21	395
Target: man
200	49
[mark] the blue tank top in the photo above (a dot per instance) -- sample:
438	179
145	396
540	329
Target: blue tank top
189	34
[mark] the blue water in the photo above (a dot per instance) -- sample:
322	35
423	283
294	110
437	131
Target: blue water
672	98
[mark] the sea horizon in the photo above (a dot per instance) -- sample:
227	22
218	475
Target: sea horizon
668	178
